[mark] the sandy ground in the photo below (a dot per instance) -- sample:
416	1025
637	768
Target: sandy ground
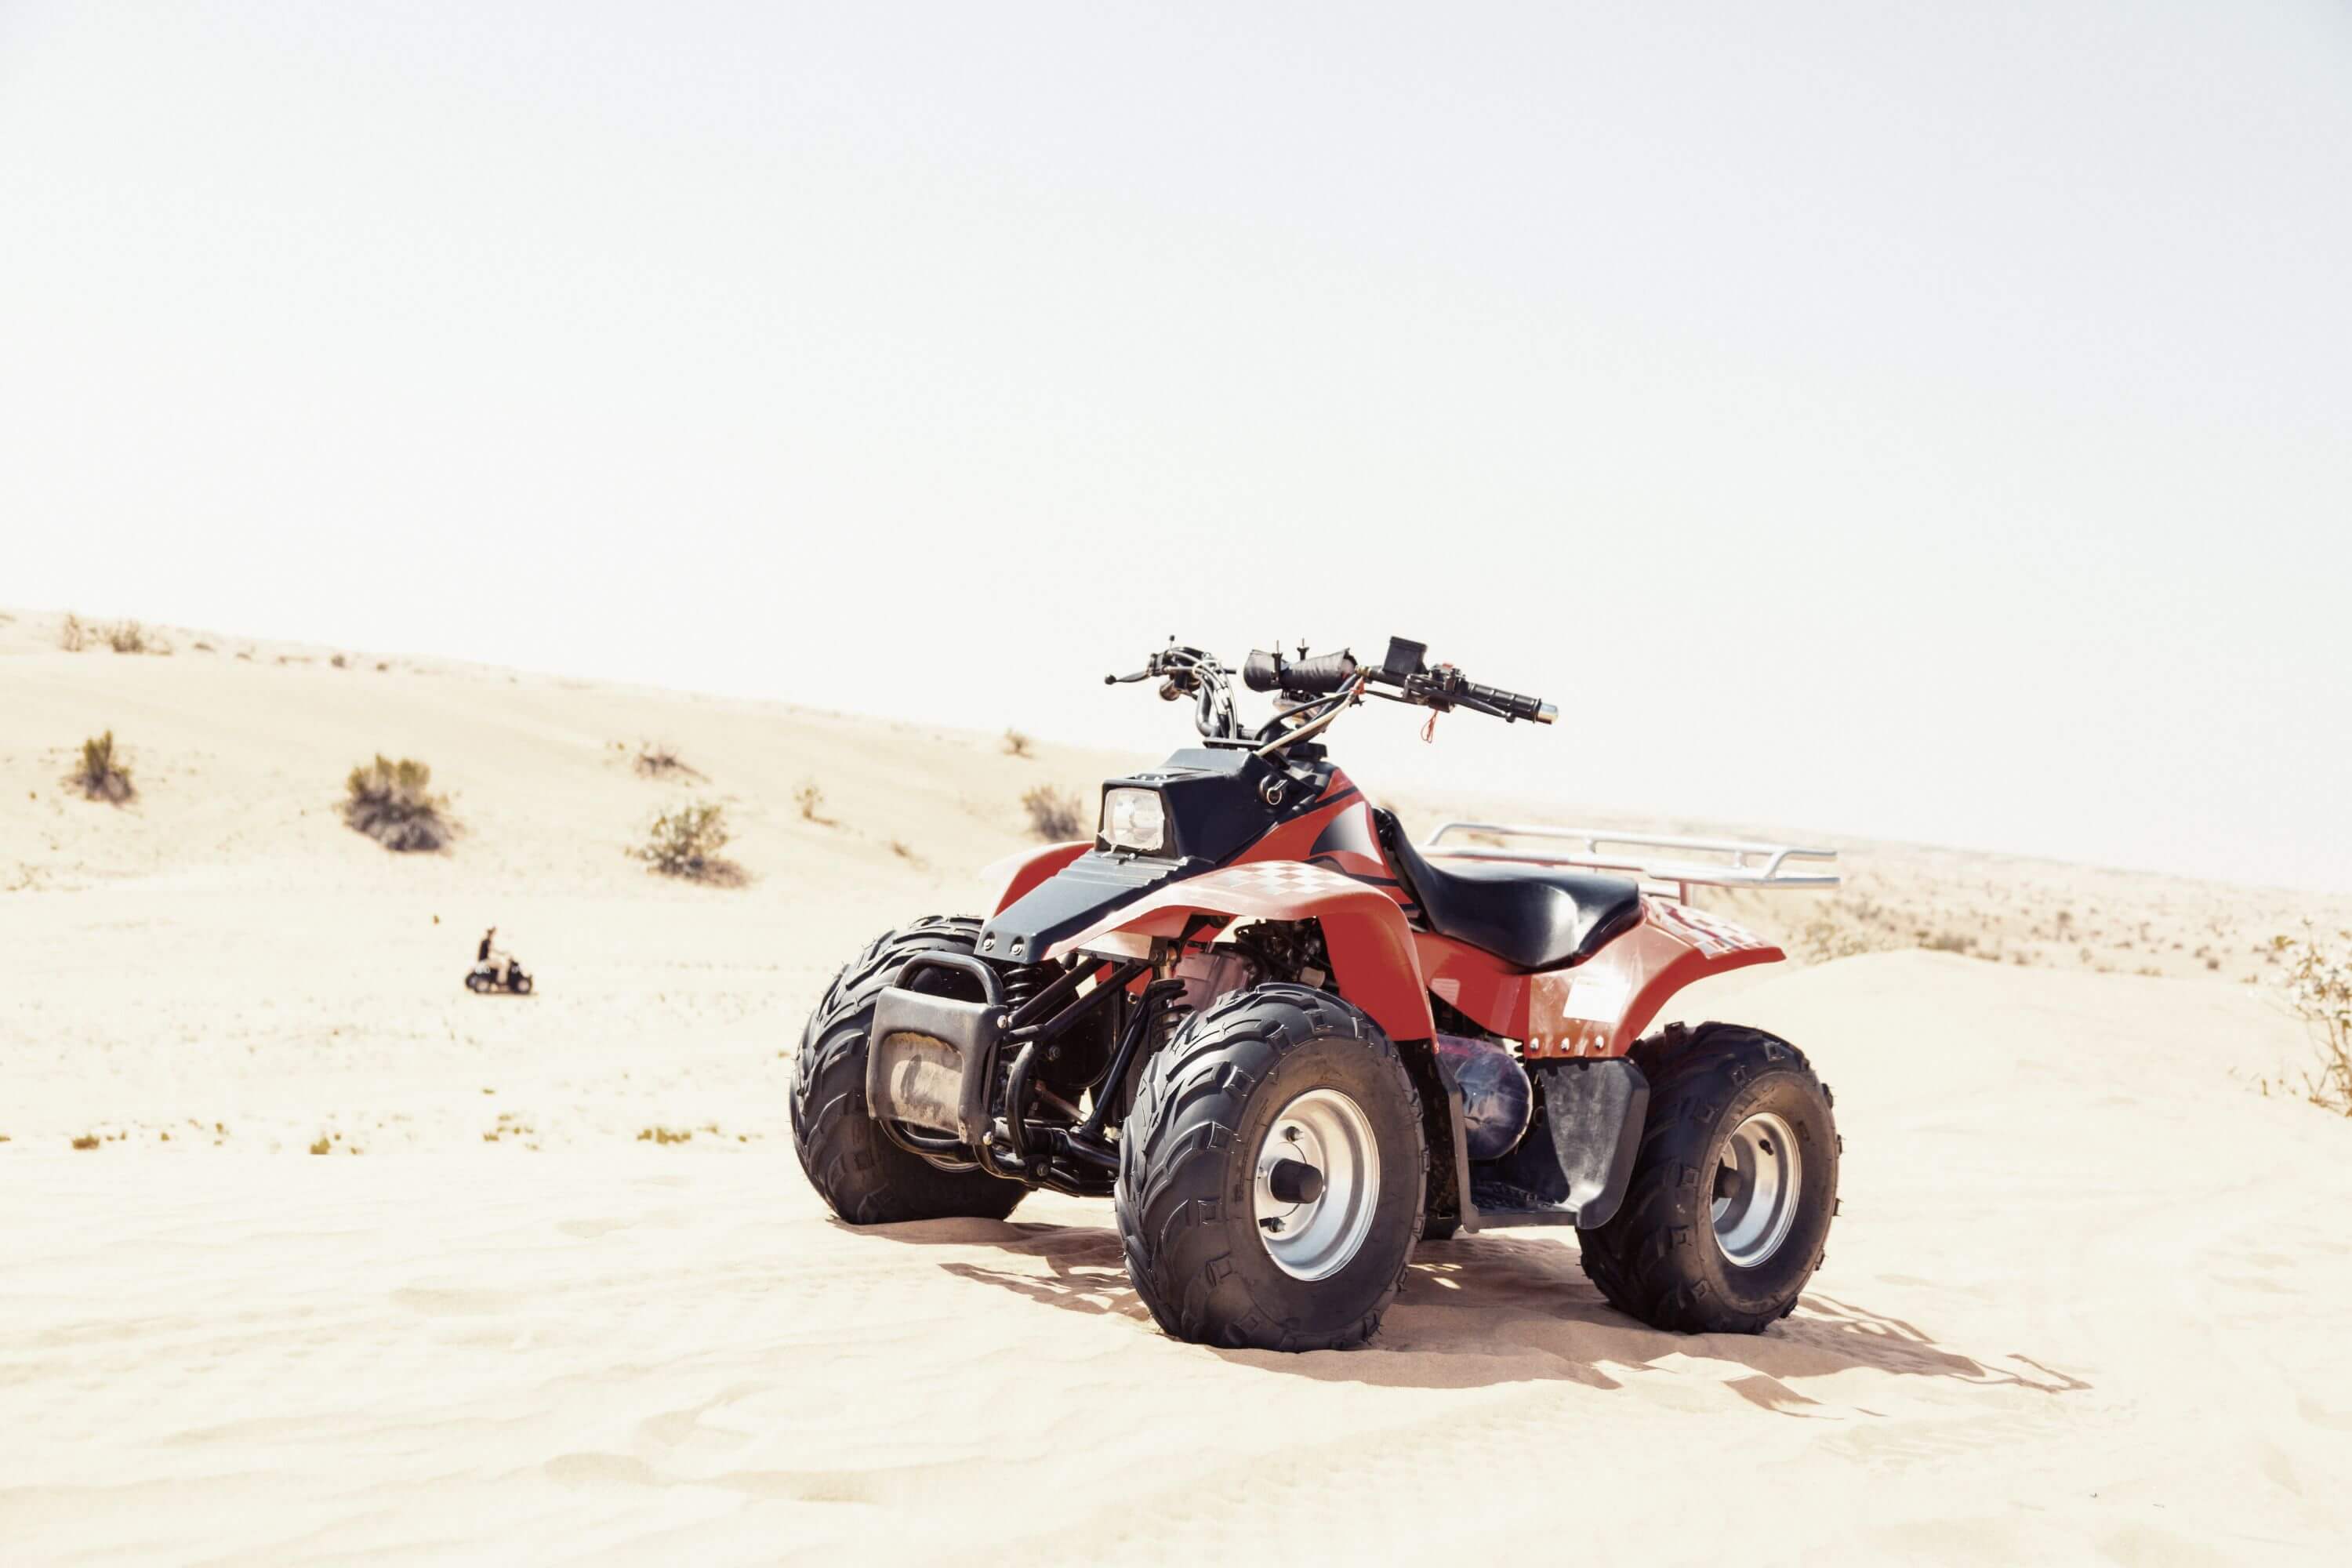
2087	1300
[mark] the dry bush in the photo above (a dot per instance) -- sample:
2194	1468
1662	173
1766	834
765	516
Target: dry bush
659	760
1056	816
393	803
101	776
130	637
809	797
1016	744
2318	980
666	1135
685	841
87	1140
73	635
339	661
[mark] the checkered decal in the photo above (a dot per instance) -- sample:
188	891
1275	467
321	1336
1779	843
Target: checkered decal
1284	879
1711	934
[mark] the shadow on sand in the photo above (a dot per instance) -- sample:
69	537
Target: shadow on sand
1492	1309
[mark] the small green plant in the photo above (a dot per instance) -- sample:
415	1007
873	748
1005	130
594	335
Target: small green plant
393	803
1055	814
101	776
685	841
1016	744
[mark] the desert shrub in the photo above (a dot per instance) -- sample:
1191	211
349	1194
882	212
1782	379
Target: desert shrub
339	661
2317	979
685	841
101	776
659	760
393	803
127	637
809	797
73	635
1016	744
1055	814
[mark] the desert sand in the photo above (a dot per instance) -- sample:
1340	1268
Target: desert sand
557	1289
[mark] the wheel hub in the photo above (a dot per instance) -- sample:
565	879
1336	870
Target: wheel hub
1318	1183
1758	1175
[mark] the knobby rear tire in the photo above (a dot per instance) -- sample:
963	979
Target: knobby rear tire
1186	1189
862	1175
1658	1259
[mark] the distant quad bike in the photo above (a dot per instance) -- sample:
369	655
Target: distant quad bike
1289	1045
484	978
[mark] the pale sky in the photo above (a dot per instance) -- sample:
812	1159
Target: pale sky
1924	421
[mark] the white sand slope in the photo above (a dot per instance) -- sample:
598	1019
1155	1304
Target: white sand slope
2088	1300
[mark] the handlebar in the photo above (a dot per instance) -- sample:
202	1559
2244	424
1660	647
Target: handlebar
1404	669
1327	683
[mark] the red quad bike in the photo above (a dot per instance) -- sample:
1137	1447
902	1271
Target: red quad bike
1289	1045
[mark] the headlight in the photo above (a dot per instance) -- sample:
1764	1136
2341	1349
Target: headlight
1134	819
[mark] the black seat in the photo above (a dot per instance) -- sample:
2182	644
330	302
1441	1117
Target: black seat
1536	916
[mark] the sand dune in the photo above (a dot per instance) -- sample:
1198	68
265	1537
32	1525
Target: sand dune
2087	1300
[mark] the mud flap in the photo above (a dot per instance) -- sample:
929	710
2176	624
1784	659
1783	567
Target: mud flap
1574	1164
1595	1111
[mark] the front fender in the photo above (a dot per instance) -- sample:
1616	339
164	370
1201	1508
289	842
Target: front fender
1371	947
1003	881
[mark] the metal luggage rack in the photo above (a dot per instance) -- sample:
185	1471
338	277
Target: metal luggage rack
1745	863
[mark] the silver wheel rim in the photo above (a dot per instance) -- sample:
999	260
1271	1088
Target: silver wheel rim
1757	1180
1317	1238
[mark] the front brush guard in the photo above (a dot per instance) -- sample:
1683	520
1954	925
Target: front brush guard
931	1058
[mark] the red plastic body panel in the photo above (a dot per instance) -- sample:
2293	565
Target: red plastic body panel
1019	873
1371	947
1601	1007
1326	865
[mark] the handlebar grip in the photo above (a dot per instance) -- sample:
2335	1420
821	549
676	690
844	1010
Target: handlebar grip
1320	676
1534	709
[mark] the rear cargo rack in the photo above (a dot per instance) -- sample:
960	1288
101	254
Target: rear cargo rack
1733	863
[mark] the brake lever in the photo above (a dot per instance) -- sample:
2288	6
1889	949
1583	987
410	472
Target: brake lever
1126	679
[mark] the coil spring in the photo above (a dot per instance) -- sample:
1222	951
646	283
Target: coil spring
1019	984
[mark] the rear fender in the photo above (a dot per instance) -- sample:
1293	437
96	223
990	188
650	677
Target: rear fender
1004	881
1599	1007
1373	953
